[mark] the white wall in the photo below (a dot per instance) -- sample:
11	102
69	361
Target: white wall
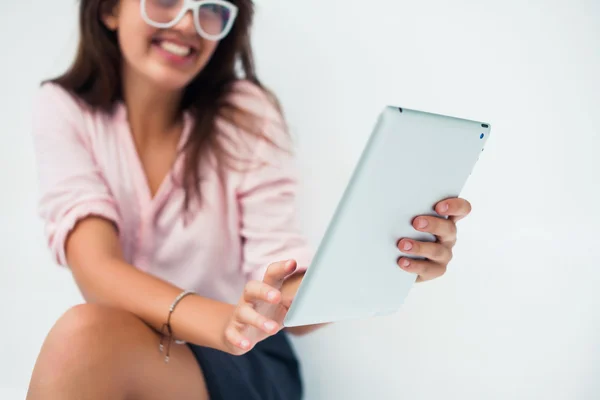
517	314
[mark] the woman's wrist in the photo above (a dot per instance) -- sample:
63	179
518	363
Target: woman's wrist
201	321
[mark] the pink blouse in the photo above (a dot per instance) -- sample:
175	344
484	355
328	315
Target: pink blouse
87	165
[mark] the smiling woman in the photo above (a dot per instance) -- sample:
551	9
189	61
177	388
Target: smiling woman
158	133
204	81
169	189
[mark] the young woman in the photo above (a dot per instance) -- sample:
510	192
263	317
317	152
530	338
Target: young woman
168	188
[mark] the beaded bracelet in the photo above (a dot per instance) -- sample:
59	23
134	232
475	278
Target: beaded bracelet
166	330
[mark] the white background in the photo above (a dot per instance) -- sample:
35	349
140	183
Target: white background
518	314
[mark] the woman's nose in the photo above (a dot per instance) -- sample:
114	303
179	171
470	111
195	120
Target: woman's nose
186	24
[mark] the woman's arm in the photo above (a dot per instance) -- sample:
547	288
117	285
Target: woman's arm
82	219
94	256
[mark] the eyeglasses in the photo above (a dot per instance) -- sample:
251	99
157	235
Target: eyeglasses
213	18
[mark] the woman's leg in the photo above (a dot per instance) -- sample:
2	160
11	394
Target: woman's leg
97	352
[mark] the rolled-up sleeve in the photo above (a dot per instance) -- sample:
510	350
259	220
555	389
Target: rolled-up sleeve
70	183
267	197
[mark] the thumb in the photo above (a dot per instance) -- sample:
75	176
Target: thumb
278	271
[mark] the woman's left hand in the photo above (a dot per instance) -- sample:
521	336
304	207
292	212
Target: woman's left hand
439	253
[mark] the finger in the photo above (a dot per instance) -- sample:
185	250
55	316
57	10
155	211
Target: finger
425	269
277	272
236	339
455	208
257	290
436	252
249	316
444	229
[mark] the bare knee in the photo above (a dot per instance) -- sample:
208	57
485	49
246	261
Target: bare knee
98	352
85	342
82	333
87	321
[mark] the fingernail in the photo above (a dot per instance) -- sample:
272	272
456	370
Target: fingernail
405	263
422	223
407	246
444	207
270	325
271	295
245	344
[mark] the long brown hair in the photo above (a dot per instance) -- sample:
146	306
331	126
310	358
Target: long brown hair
95	78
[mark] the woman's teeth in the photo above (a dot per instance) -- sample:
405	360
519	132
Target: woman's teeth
176	49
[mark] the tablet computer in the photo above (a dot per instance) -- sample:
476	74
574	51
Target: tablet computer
412	160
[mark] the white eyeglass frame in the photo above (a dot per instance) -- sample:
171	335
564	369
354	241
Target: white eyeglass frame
194	7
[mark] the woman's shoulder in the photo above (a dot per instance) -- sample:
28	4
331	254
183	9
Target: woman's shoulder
257	109
256	130
51	95
245	89
259	101
57	111
53	104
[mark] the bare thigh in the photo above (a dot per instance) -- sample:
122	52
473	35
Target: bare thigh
97	352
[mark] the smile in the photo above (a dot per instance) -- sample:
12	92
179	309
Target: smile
174	48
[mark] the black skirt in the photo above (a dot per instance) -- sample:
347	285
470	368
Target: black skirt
270	371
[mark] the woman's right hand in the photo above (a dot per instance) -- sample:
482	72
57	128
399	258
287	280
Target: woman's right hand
260	311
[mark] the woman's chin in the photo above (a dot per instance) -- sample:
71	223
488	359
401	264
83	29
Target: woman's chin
170	80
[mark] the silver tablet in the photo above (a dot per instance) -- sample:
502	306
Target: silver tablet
412	161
